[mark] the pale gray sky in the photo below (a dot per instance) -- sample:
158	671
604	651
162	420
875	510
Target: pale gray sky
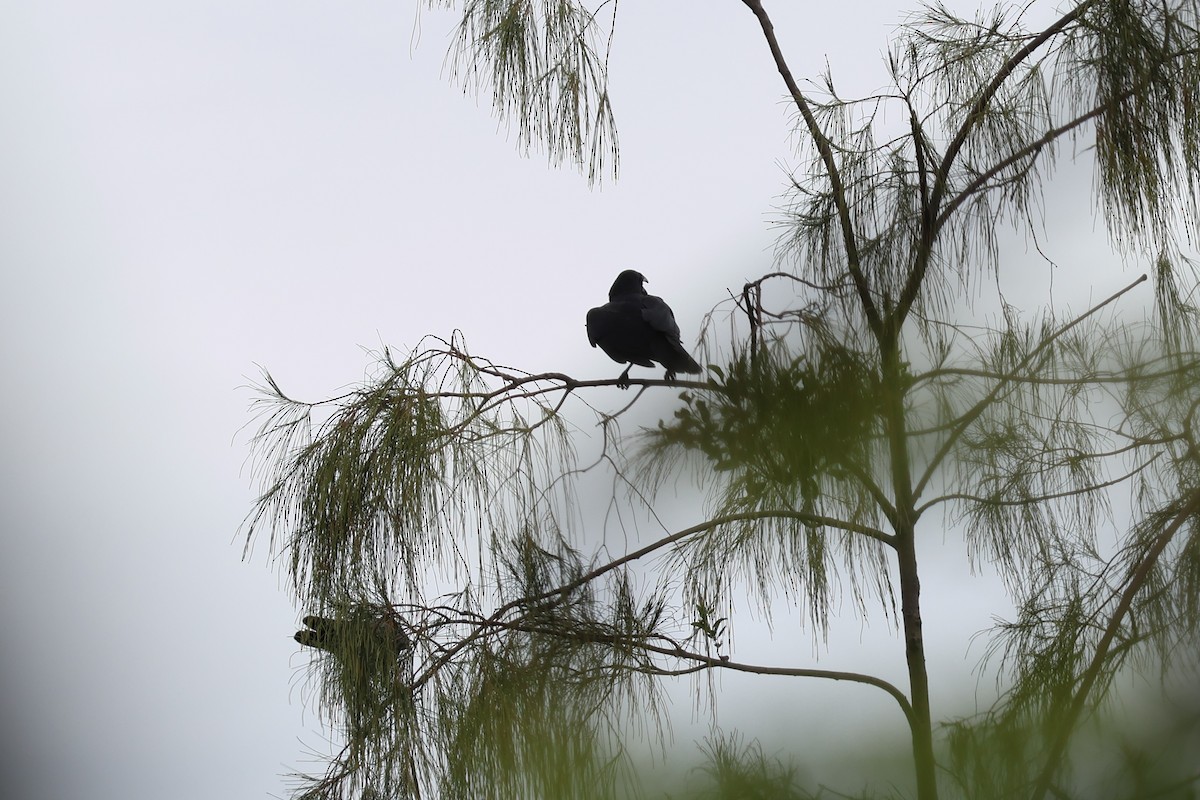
191	188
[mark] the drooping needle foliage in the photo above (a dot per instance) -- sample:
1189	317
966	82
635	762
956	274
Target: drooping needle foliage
858	405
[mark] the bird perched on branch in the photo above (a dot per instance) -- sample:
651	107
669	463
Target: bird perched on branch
634	327
334	635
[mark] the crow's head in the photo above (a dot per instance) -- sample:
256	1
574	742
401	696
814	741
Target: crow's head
628	282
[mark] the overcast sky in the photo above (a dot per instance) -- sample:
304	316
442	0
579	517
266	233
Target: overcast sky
192	188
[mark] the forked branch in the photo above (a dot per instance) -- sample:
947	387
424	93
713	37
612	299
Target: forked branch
972	414
825	149
551	595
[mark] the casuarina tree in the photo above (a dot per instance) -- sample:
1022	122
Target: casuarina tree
854	407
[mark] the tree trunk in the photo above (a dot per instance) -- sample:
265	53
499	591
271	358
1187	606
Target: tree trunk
904	523
918	677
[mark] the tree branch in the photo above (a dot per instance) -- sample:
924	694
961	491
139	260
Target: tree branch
710	662
975	411
1137	580
942	174
498	615
1026	501
1128	376
825	149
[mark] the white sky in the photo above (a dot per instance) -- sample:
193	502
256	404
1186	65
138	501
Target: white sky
191	188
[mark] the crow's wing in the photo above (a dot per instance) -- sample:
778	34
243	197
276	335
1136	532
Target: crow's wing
667	347
619	329
658	315
599	320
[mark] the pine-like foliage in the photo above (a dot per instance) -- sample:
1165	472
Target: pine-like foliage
493	641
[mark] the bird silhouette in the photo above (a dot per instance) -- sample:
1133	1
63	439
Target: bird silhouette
334	635
634	327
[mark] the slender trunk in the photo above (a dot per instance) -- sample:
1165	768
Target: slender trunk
918	677
921	722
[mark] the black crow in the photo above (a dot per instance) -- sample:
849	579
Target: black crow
638	328
331	635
